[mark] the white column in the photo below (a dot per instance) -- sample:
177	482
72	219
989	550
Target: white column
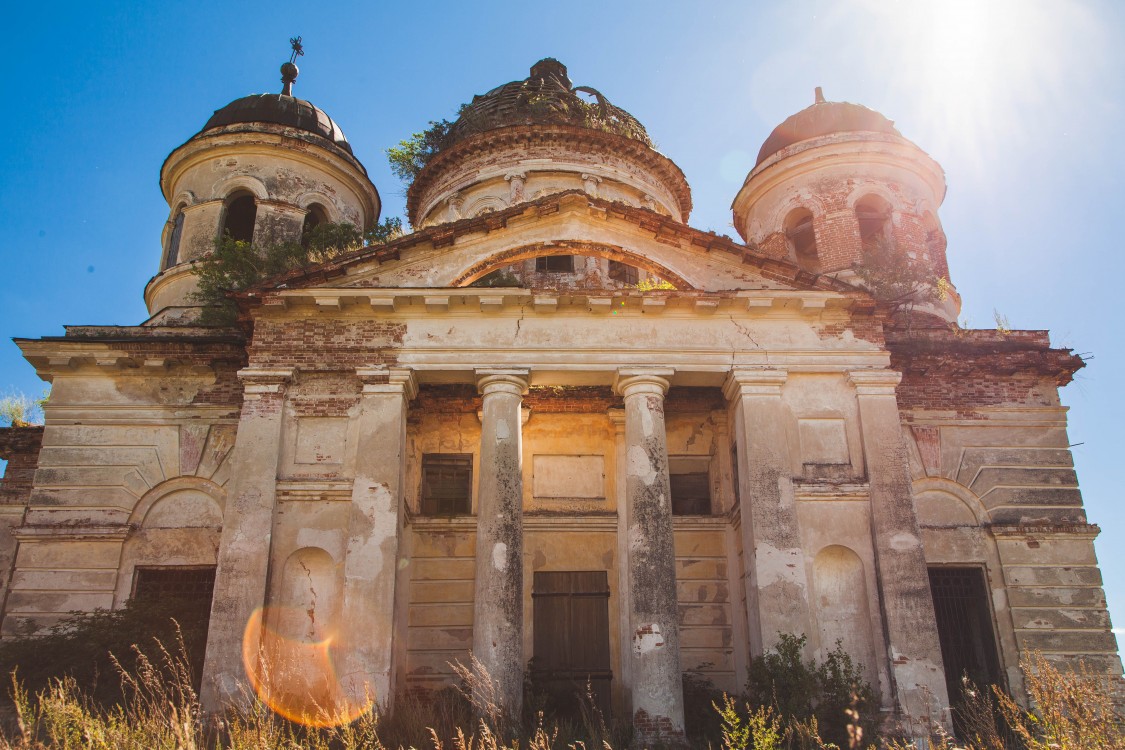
244	549
624	674
366	638
904	585
658	703
498	603
777	597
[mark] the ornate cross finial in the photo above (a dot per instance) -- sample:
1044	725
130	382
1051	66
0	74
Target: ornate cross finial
289	70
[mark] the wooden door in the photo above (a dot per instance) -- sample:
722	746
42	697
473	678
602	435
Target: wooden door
571	651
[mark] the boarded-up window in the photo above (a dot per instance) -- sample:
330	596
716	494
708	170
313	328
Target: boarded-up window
555	264
447	484
623	272
691	494
571	623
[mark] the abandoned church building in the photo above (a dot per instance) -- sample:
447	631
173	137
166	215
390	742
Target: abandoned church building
559	428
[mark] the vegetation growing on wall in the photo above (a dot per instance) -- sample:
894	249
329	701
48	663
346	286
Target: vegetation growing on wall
21	410
235	265
532	104
897	280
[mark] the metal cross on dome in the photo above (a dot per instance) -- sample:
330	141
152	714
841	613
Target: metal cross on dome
298	50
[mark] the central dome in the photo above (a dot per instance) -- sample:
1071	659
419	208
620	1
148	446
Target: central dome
542	135
546	97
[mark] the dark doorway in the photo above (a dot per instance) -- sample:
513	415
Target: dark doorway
571	621
964	622
184	595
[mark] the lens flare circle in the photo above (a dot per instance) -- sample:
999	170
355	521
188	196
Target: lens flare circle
297	677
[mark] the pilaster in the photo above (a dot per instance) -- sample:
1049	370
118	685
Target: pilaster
244	549
904	588
375	531
777	597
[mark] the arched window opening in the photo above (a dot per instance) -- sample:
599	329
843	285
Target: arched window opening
799	231
314	217
240	216
172	254
873	213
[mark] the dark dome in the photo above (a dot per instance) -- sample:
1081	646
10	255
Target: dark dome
545	97
824	118
280	109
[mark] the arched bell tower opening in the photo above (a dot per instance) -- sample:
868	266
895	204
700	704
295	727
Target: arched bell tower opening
239	217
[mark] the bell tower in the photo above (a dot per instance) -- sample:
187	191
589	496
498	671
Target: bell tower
263	168
836	185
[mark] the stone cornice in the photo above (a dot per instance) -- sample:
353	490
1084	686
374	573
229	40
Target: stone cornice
662	228
72	533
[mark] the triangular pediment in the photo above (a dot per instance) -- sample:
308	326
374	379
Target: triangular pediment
455	254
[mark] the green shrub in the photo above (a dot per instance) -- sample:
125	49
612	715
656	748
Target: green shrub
85	646
234	266
801	689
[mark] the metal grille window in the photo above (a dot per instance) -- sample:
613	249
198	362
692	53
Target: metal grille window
555	264
447	484
964	622
691	494
161	584
623	272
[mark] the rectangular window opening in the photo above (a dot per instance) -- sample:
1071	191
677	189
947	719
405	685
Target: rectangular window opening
555	264
623	272
691	494
447	484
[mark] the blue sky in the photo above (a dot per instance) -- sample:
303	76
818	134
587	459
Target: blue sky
1021	101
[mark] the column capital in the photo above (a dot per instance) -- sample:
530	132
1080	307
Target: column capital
514	381
382	379
617	418
262	380
874	382
515	176
629	381
754	381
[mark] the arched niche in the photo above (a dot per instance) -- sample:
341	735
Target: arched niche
176	524
307	602
942	503
842	607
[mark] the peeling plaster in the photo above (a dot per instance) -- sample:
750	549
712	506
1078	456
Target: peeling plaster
640	465
648	638
500	556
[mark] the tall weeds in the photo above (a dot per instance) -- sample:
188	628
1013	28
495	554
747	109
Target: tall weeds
160	709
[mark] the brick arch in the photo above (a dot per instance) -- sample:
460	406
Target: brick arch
612	252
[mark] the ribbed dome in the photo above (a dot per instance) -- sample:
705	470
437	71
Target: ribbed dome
544	97
279	109
824	118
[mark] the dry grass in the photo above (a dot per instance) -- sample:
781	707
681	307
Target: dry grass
1073	711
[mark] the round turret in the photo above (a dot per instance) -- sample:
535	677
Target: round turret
263	168
538	136
836	186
